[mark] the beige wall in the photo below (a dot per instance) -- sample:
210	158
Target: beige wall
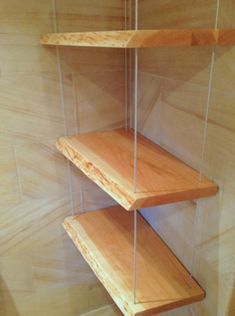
45	94
174	94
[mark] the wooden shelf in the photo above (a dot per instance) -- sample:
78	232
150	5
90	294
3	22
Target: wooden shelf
107	159
143	38
105	239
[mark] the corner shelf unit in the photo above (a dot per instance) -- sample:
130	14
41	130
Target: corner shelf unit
143	38
161	177
107	238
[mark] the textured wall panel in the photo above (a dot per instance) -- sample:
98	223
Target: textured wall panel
181	78
41	271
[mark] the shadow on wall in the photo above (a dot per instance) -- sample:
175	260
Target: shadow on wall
7	305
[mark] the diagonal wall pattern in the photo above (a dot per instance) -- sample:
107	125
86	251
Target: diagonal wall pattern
173	105
41	271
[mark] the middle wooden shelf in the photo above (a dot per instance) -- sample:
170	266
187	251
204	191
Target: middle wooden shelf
107	158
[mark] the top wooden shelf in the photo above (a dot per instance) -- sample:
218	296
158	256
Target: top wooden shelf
107	159
143	38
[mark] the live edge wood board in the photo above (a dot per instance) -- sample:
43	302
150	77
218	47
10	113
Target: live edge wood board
107	158
105	239
143	38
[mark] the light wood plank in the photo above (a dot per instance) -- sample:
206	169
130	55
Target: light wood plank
107	159
143	38
105	239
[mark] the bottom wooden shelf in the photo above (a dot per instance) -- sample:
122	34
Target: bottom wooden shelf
105	239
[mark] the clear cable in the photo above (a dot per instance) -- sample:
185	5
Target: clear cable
217	14
202	156
135	152
130	89
135	253
135	103
204	137
59	70
126	72
130	14
209	94
130	70
135	119
207	113
136	14
78	131
194	241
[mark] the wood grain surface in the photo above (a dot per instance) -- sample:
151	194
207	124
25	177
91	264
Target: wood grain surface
107	159
105	239
143	38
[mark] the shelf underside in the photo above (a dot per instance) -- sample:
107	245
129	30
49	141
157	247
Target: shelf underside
107	158
105	239
143	38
